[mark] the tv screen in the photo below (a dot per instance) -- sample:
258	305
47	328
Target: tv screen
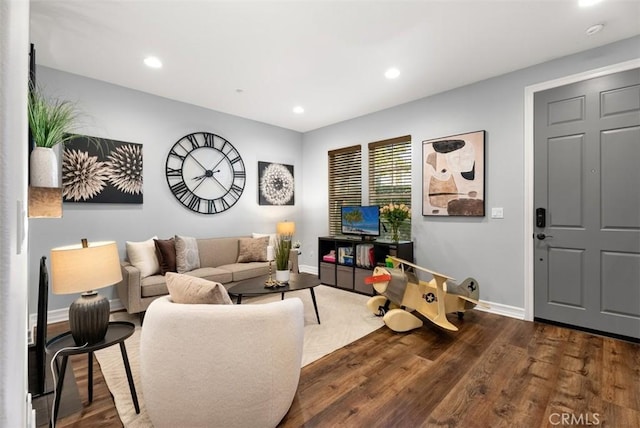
359	220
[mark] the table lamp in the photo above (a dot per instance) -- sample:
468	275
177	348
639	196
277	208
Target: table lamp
286	229
83	268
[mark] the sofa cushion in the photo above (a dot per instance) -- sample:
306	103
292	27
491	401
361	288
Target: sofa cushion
191	290
154	285
215	252
187	254
252	249
166	253
142	255
223	276
241	271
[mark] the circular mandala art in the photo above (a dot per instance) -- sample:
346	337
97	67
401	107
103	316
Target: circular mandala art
276	184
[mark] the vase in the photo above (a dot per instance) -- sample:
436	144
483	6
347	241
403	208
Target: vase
283	275
394	233
43	167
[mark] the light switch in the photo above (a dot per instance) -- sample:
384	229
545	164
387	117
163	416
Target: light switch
497	212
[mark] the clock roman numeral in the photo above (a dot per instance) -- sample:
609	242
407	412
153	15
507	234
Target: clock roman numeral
175	154
209	140
173	172
236	190
211	207
194	203
180	189
239	175
194	142
224	203
235	160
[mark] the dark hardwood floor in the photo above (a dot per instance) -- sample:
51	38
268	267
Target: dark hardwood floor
494	372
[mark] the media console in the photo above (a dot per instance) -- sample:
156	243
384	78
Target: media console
354	259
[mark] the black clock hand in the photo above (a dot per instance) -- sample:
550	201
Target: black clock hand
195	188
221	159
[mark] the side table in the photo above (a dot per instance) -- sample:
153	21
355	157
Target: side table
117	332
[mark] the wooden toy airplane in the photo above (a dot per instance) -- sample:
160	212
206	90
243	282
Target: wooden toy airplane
402	293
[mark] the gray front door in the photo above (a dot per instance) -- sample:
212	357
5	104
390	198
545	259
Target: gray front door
587	201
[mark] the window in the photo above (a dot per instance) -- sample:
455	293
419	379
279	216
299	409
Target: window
345	182
390	175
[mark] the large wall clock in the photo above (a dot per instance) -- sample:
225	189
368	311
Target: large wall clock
205	173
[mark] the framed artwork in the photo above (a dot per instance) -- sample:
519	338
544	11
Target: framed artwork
102	171
275	184
453	175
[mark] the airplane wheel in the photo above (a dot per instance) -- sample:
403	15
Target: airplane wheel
375	304
401	320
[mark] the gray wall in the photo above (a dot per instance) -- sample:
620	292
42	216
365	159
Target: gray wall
491	250
123	114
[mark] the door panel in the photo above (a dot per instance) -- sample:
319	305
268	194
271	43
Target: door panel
587	177
620	178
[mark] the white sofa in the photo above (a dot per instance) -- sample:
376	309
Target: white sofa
220	365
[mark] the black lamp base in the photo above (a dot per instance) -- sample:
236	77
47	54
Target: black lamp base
89	318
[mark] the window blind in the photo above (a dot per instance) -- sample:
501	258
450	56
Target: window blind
390	176
345	182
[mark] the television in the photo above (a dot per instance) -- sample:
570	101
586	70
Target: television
359	220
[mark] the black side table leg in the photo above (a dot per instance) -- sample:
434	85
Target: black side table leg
90	374
59	383
315	305
239	299
127	368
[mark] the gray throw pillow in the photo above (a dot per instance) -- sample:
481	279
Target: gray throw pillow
187	255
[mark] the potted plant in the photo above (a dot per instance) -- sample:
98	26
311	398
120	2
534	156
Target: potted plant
282	249
51	121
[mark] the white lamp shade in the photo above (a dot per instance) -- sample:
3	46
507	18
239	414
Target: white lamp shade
76	269
286	228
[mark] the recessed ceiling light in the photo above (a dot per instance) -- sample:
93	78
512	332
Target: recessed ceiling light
594	29
153	62
587	3
298	110
392	73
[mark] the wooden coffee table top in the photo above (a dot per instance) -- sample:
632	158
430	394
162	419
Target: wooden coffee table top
255	286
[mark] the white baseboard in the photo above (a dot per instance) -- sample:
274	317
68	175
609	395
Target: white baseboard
60	315
308	269
502	309
494	308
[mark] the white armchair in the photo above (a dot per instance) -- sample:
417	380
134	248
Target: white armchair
220	365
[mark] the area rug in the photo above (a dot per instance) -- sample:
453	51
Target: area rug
343	315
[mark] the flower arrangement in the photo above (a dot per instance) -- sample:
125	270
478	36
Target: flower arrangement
394	215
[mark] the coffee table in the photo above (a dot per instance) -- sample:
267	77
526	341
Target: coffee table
255	287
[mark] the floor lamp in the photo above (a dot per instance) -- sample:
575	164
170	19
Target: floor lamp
83	269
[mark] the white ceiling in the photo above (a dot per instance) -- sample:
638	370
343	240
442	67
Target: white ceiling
327	56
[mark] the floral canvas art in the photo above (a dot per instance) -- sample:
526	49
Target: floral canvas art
275	184
101	170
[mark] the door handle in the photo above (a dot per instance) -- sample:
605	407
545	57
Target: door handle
542	236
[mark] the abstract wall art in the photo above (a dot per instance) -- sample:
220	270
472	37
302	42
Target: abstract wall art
102	171
275	184
453	175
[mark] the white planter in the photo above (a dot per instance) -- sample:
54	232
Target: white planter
282	275
43	168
